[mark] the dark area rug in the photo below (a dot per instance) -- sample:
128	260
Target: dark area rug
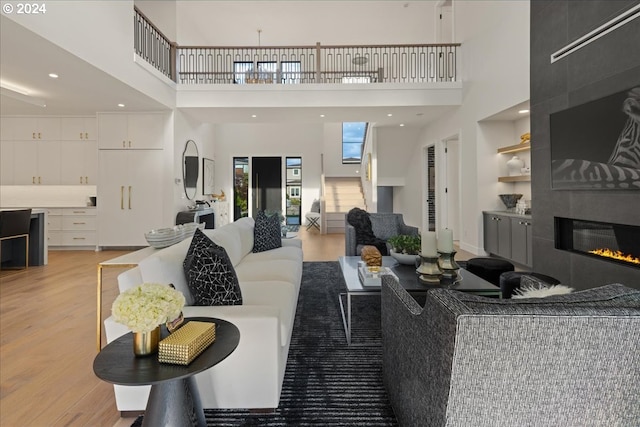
327	383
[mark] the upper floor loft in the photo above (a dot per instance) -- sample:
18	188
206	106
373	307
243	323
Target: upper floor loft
216	77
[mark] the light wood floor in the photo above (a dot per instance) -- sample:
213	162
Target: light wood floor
48	337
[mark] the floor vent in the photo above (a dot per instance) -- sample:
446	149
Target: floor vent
605	28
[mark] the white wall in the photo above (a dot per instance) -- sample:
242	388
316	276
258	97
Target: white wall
495	68
286	140
235	23
332	153
101	33
186	128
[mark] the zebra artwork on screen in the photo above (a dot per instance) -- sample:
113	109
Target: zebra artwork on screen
596	145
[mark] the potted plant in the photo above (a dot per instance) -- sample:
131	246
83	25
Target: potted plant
405	248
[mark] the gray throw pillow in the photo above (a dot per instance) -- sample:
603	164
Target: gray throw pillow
315	206
211	278
267	232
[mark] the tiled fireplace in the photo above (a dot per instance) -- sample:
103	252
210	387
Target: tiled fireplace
618	243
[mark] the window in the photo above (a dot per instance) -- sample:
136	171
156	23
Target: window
294	190
267	72
290	72
295	172
242	71
353	135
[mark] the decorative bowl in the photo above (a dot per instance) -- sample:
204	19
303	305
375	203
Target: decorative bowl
404	258
510	200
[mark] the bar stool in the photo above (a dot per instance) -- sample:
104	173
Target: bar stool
15	224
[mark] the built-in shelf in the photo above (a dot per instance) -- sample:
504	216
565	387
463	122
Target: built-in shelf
519	178
515	148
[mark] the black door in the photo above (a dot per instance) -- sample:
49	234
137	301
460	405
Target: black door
266	184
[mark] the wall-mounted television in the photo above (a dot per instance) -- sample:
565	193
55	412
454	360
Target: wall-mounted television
596	145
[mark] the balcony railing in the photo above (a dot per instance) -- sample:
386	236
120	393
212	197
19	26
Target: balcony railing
410	63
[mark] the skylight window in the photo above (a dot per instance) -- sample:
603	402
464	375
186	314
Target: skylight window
353	135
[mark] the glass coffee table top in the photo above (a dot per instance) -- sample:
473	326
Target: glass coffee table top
408	278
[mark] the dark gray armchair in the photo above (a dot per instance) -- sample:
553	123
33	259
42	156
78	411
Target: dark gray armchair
467	360
384	225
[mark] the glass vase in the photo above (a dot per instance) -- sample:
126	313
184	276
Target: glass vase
146	343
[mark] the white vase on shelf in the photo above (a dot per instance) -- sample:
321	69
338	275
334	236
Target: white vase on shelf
515	165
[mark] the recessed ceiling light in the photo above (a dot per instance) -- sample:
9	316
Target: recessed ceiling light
321	115
53	75
389	115
523	111
254	116
120	105
401	124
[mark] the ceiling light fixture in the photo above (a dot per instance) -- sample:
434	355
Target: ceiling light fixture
20	94
53	75
389	115
401	124
254	116
120	105
321	115
523	111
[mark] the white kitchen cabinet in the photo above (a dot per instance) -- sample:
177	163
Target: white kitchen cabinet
36	162
78	129
72	227
6	162
6	128
129	196
36	128
131	131
79	162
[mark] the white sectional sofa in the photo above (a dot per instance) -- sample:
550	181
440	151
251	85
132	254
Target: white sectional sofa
252	376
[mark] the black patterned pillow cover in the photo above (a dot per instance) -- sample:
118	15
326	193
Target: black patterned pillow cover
210	274
267	233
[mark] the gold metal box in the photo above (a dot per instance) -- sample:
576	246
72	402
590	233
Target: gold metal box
185	344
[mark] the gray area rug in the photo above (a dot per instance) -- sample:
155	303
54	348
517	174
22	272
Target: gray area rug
327	383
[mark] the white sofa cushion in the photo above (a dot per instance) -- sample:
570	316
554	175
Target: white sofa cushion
285	270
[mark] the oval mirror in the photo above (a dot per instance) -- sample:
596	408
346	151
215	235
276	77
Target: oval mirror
190	169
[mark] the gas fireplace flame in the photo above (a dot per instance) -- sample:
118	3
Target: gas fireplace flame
608	253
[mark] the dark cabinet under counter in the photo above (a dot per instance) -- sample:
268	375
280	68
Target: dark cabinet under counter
508	235
200	216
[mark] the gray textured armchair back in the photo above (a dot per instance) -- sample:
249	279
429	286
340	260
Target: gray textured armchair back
384	225
465	360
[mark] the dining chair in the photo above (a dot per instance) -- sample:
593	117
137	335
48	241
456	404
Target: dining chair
14	224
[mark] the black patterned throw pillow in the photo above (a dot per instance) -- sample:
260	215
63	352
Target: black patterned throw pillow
210	274
267	233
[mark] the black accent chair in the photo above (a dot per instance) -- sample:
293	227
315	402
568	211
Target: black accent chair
15	224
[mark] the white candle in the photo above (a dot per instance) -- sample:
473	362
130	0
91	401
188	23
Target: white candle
428	246
445	241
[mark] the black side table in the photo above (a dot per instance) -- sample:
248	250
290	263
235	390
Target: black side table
174	399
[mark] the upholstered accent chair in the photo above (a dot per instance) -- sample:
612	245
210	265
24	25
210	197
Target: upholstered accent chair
384	225
467	360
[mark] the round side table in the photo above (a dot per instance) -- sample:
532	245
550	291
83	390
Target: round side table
174	399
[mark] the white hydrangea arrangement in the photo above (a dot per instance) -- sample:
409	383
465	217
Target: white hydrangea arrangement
146	306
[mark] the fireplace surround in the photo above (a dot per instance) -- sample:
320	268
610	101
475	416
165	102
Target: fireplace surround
618	243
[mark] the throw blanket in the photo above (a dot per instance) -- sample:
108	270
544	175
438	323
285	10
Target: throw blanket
360	220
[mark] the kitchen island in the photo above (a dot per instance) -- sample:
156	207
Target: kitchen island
38	249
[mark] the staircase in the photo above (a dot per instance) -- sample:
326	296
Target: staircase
341	195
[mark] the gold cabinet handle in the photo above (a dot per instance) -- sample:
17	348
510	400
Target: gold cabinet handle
86	179
129	197
86	135
129	144
80	135
79	212
122	197
78	238
39	136
39	180
33	179
33	135
80	180
124	145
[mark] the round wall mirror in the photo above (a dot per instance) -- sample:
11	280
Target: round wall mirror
190	169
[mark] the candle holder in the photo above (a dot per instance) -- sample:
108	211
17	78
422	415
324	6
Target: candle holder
448	265
429	271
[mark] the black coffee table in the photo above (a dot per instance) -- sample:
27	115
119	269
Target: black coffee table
406	274
174	399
